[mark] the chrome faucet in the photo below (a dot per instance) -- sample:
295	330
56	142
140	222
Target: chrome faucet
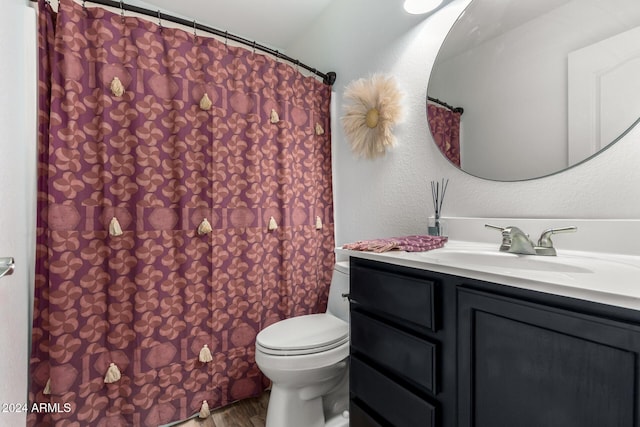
516	241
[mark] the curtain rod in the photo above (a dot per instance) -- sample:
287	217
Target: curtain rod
328	78
444	104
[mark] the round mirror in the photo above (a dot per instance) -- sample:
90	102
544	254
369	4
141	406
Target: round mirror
522	89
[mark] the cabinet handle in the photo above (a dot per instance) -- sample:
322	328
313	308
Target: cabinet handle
347	296
7	265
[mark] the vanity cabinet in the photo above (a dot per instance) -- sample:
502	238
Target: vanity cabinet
431	349
531	365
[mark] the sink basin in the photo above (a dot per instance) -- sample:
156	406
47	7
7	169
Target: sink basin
508	261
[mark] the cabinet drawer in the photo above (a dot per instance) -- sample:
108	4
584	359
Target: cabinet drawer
404	354
404	297
389	400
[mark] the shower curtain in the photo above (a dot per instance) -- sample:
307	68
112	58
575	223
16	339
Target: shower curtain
133	157
445	128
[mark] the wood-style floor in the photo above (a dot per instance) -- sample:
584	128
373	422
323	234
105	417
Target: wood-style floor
246	413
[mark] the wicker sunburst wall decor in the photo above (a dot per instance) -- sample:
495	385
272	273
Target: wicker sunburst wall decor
372	108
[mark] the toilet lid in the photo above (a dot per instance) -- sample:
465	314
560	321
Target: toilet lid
312	333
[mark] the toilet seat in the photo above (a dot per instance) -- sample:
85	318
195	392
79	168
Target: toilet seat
309	334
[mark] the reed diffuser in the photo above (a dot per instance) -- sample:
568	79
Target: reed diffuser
438	191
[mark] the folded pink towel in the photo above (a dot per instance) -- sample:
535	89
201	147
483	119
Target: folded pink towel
407	243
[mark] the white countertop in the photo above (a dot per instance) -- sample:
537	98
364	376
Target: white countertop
599	277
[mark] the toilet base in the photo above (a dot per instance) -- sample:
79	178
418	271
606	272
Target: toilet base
341	420
320	405
286	408
306	412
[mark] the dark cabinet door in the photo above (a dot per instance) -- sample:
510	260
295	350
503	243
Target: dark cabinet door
528	365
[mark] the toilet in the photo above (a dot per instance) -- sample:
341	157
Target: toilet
306	359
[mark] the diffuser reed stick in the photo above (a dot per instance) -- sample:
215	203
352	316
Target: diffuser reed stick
438	192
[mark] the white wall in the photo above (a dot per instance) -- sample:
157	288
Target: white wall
391	196
17	199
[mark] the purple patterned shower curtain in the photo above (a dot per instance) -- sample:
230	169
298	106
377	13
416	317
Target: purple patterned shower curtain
159	162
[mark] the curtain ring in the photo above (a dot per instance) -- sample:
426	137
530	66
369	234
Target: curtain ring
277	57
195	35
226	37
159	20
122	11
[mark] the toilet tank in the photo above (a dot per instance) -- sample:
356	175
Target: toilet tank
339	305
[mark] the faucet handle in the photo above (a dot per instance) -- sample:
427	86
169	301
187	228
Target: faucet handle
545	238
514	240
507	230
495	227
506	236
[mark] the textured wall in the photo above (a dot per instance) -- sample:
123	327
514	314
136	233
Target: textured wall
391	196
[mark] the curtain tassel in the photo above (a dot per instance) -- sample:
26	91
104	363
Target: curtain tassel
319	129
204	410
274	116
117	88
272	224
205	354
113	374
47	387
114	227
204	227
318	223
205	102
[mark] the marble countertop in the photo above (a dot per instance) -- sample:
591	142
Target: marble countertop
606	278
